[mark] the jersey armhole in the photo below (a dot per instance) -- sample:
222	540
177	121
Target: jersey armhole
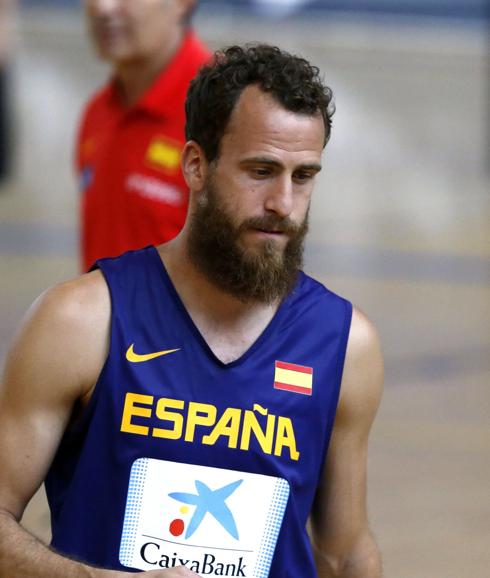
335	393
89	409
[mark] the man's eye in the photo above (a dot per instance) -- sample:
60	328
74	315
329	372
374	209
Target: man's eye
303	176
261	171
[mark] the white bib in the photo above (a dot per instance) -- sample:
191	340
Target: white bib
217	522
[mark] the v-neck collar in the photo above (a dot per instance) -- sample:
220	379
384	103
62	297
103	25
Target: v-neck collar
268	331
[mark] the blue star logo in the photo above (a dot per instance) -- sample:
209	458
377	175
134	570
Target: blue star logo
212	501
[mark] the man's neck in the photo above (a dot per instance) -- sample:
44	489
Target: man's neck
135	77
229	325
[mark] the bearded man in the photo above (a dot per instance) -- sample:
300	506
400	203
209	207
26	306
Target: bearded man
192	406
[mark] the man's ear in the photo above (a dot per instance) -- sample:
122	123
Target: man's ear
194	166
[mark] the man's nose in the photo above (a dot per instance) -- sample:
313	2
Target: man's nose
279	198
103	7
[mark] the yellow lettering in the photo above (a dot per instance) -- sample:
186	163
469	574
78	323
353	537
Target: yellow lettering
130	410
161	412
259	409
251	424
285	438
228	425
198	414
256	422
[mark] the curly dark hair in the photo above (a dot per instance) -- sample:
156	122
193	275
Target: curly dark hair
213	94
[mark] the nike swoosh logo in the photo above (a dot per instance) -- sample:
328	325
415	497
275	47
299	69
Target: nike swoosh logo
137	358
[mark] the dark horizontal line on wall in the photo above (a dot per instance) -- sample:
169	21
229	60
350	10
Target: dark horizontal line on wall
474	10
26	239
468	10
434	367
387	264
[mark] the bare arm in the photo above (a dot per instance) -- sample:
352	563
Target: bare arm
343	543
54	362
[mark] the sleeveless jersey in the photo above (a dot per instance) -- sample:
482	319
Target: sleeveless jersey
179	458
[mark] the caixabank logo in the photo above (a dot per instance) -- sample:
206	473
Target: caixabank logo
205	501
216	522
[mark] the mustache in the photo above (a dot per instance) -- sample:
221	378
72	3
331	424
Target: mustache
107	23
273	223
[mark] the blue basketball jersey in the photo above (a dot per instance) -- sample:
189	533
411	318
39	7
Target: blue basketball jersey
179	458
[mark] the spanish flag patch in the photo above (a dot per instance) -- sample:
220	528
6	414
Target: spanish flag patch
292	377
164	154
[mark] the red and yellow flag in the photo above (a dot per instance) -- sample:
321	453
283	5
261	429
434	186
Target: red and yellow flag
292	377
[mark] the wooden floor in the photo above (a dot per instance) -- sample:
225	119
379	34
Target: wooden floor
400	225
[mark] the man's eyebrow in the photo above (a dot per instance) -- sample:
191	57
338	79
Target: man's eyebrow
315	167
261	161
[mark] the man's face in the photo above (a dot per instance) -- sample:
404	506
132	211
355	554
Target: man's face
247	230
130	30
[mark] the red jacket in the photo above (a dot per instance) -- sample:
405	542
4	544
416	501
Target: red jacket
128	160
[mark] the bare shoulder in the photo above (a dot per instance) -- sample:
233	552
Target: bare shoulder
362	381
363	345
71	311
65	332
54	362
76	300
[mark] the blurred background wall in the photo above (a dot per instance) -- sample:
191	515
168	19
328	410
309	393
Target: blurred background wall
400	225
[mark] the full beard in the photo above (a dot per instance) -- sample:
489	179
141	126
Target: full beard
264	274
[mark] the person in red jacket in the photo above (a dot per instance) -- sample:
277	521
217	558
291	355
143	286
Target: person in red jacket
132	130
